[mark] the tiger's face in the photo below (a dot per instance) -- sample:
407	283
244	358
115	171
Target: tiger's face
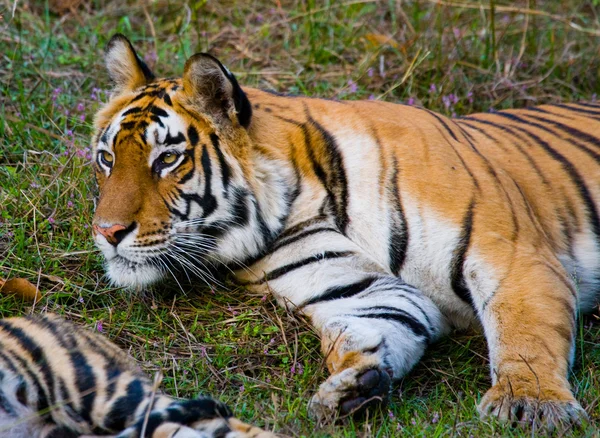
169	161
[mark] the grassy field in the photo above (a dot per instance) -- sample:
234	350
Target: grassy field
451	56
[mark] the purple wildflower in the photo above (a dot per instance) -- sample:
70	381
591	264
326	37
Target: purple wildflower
390	414
432	88
80	107
99	326
470	96
456	32
413	421
242	389
446	101
82	117
70	204
352	87
150	57
371	97
435	418
81	300
51	220
370	72
34	185
410	101
264	298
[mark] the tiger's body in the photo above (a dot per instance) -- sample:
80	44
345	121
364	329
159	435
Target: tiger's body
386	225
59	381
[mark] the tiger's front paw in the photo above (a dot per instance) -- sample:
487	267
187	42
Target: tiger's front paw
350	391
537	409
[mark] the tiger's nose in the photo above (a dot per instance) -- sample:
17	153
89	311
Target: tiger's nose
114	234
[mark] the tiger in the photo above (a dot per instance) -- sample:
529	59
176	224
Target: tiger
59	381
385	225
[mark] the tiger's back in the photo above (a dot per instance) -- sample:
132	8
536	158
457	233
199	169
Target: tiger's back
527	178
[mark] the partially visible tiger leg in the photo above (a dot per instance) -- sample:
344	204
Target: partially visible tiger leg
530	327
370	339
374	327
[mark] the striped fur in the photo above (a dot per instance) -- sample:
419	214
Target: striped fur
386	225
58	381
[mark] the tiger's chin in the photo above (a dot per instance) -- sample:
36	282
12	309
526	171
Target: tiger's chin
124	273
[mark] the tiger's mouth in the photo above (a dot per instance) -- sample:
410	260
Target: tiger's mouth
176	257
127	273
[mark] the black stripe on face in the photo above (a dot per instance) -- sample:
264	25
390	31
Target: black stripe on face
403	318
398	226
286	269
125	406
457	277
346	291
170	140
225	170
208	201
193	136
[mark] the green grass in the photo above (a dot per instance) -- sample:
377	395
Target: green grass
240	348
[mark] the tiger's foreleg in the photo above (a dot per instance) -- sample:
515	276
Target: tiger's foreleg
374	327
529	323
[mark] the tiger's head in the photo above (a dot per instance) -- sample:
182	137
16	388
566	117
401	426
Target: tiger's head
180	188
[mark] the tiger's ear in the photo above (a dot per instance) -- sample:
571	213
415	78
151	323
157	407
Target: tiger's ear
215	89
125	67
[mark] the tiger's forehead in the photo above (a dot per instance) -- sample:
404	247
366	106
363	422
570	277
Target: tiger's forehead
149	117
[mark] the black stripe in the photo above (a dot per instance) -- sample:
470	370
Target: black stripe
279	272
85	379
576	133
576	178
594	115
346	291
39	360
279	243
185	412
398	226
519	137
5	405
225	170
458	155
125	406
335	181
589	105
208	201
170	140
301	225
193	136
444	124
457	278
185	178
404	319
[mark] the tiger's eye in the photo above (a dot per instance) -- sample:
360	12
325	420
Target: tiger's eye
106	158
168	158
